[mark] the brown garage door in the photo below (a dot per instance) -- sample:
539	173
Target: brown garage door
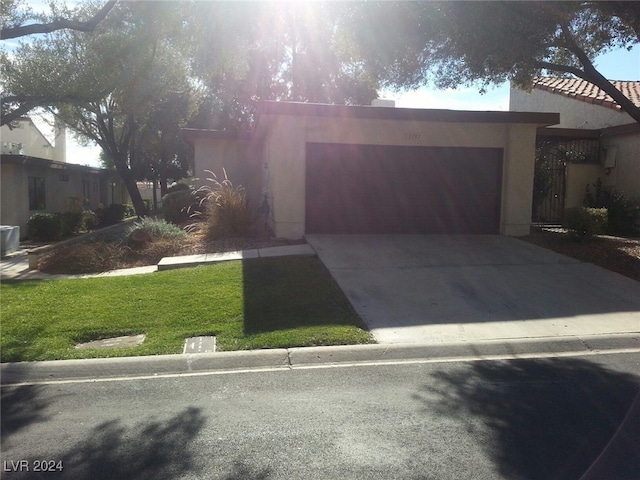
397	189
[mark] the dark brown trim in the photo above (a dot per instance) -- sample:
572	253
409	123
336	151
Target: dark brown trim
568	132
627	129
191	134
407	114
51	164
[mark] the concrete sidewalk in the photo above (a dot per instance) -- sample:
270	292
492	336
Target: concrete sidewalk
16	266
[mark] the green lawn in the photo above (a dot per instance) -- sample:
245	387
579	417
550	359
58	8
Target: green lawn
261	303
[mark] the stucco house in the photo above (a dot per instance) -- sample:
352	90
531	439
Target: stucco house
315	168
589	118
35	177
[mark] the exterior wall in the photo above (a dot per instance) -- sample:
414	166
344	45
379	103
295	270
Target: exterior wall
579	176
34	143
14	197
234	157
625	176
517	181
284	154
60	185
573	113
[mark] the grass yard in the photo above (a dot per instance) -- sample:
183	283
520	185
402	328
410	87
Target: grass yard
261	303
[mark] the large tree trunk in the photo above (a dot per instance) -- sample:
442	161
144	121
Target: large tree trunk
131	185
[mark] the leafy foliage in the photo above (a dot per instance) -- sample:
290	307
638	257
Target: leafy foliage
620	209
408	44
583	222
158	228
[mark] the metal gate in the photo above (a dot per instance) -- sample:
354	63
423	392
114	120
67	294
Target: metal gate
550	174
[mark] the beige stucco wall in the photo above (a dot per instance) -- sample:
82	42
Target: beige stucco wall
573	113
14	197
625	176
579	176
60	185
284	153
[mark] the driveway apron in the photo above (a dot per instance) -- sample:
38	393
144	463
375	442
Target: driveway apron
452	288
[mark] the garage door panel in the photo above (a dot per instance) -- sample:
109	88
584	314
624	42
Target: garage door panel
391	189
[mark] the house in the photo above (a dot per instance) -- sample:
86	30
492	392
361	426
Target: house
315	168
34	177
589	118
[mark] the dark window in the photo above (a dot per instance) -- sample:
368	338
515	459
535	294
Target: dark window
36	193
86	192
64	177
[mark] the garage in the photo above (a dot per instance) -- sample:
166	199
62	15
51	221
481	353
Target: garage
356	169
355	188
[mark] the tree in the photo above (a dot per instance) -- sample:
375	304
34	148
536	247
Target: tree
15	18
290	51
408	44
106	85
12	18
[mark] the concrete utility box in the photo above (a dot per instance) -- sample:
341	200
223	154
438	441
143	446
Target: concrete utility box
9	239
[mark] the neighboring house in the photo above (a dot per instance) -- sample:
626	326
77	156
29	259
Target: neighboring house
35	177
590	120
314	168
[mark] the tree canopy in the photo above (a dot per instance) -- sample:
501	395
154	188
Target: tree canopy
409	44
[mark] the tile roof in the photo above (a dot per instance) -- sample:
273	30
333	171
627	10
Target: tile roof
587	92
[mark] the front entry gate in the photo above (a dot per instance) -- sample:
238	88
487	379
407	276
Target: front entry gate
550	174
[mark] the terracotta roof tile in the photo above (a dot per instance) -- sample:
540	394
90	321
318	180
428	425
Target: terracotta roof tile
587	92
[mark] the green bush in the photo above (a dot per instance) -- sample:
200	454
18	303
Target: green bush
71	223
620	210
44	227
583	222
158	229
175	205
111	215
89	219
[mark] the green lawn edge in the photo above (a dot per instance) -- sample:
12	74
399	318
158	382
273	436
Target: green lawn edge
250	304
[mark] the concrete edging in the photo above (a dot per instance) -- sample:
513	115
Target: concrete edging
306	357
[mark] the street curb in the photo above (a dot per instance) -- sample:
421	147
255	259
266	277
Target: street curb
292	358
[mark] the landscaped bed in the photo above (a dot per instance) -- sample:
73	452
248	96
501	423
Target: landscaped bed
260	303
618	254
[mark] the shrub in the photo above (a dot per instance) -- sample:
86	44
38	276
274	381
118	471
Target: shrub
71	223
175	205
83	258
177	188
584	222
227	212
158	229
89	219
620	210
44	227
111	215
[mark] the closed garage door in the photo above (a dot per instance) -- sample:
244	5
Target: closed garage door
398	189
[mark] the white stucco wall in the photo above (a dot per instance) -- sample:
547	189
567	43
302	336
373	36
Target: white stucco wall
573	113
284	154
34	143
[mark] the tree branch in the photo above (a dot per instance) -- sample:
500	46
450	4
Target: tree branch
58	24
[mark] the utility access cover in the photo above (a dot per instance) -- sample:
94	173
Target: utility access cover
199	345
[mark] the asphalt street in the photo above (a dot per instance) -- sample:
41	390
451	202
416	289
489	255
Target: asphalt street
546	418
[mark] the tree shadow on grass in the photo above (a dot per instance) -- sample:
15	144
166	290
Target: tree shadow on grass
153	450
292	292
546	419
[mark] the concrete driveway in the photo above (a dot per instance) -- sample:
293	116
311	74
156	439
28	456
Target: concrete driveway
452	288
